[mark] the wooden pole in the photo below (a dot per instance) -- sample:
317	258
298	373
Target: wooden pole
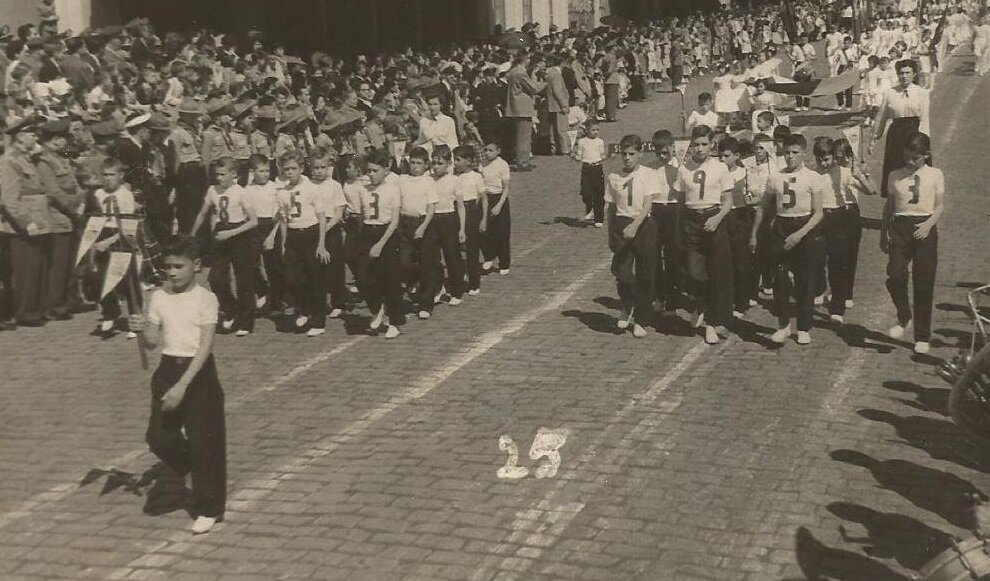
132	286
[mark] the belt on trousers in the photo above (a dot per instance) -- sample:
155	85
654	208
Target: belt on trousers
831	210
804	217
704	211
912	217
591	163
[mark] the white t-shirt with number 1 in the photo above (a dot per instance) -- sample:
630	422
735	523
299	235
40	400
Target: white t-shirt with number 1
631	192
703	183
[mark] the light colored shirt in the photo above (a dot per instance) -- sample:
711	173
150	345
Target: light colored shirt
794	190
446	190
470	185
439	131
416	194
703	183
591	150
913	102
230	206
379	203
120	201
631	192
914	192
264	198
495	174
181	317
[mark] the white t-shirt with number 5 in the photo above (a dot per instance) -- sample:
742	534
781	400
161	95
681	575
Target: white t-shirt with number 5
794	191
300	203
632	191
703	183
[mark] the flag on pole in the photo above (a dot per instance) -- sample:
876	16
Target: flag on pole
120	263
815	87
89	235
855	136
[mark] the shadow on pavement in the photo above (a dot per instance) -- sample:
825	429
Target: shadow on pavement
167	492
599	322
890	535
928	399
940	439
568	221
860	336
937	491
819	562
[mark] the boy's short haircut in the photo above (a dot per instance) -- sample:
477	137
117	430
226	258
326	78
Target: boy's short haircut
431	94
781	132
705	98
112	163
823	146
700	131
380	157
443	152
498	146
842	148
319	153
420	153
590	123
183	246
663	138
917	143
747	148
873	60
766	117
729	144
796	139
631	141
258	160
464	152
761	138
227	163
290	157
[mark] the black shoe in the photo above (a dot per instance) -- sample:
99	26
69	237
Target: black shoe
32	322
8	326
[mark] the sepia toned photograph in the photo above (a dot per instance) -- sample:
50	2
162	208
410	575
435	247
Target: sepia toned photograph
495	290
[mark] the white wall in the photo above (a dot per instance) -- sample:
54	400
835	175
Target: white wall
509	13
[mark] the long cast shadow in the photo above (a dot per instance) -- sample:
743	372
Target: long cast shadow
598	322
890	535
940	439
927	399
820	562
937	491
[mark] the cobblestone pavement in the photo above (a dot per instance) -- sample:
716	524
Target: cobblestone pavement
355	458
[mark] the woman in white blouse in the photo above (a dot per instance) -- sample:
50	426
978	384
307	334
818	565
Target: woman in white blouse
907	107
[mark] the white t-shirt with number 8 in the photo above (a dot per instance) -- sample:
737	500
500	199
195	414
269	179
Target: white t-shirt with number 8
703	183
631	192
229	206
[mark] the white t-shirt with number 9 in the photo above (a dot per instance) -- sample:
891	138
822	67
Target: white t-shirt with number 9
703	183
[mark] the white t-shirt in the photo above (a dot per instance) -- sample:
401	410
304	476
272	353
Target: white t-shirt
300	204
913	192
471	185
703	183
379	203
633	191
330	195
794	191
446	189
120	201
181	317
496	175
352	193
416	194
264	198
591	150
229	207
666	178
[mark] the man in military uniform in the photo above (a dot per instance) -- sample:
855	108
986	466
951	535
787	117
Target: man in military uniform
191	181
240	138
159	212
65	199
26	224
216	138
263	137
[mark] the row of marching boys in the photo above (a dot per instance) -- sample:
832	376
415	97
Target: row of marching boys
391	231
732	220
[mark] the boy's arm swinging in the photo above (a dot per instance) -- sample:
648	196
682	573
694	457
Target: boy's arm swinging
379	246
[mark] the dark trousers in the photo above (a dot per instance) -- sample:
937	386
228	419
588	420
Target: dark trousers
202	450
495	243
30	258
804	262
335	271
191	184
764	250
448	229
922	255
523	139
410	250
835	231
7	299
745	279
667	219
634	266
59	268
352	242
611	101
237	252
593	190
430	271
159	212
708	264
304	272
272	283
854	225
472	244
676	75
380	279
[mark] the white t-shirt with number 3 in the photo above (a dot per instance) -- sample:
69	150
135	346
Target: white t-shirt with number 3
631	192
914	192
703	183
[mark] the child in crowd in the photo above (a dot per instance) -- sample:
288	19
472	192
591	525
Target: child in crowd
418	201
591	152
331	194
113	199
269	236
379	278
450	219
471	187
703	115
496	242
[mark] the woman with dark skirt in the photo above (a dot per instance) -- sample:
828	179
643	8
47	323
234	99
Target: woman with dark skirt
907	107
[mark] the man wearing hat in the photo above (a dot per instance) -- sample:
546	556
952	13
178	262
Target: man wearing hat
65	197
158	210
240	138
263	136
191	179
134	151
25	223
216	138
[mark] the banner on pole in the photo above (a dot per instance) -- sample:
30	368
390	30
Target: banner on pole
855	136
120	263
89	235
681	147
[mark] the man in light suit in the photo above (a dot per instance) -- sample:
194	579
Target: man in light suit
520	109
558	104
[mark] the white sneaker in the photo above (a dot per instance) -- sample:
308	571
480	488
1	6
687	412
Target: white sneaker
203	525
623	323
503	271
316	332
850	304
261	302
803	338
922	347
738	314
131	335
377	320
424	315
781	336
392	332
474	292
767	292
487	265
599	225
335	313
454	301
700	320
836	319
353	289
301	321
227	325
106	326
242	333
711	335
589	216
753	303
638	331
897	331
